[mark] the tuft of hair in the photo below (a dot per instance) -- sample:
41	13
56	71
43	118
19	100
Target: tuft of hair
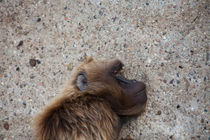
86	117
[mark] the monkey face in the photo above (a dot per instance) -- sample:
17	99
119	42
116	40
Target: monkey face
104	79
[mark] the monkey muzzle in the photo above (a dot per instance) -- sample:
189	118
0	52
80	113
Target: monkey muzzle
134	90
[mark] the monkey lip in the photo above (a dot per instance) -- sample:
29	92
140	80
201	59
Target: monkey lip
132	86
135	90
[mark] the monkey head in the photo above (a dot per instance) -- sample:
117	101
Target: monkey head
104	79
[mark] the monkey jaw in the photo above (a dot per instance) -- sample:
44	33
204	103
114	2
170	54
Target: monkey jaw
134	90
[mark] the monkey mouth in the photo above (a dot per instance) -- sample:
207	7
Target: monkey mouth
135	90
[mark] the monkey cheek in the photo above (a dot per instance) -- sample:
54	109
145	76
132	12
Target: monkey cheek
137	93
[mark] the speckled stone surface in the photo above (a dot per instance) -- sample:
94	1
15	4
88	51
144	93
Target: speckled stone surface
164	43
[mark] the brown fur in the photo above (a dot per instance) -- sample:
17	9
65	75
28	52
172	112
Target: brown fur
91	114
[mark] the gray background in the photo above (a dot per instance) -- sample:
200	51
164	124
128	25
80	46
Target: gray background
164	43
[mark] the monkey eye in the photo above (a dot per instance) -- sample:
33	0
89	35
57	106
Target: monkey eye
117	67
115	72
82	81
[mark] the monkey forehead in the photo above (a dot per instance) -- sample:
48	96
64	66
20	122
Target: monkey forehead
95	70
92	65
102	66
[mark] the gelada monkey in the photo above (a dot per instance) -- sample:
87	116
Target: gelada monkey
92	104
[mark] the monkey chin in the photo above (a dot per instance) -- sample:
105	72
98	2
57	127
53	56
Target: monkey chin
135	92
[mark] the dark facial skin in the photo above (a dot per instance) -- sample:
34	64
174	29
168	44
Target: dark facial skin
134	91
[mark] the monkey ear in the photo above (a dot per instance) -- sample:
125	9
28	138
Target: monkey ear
89	59
82	81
